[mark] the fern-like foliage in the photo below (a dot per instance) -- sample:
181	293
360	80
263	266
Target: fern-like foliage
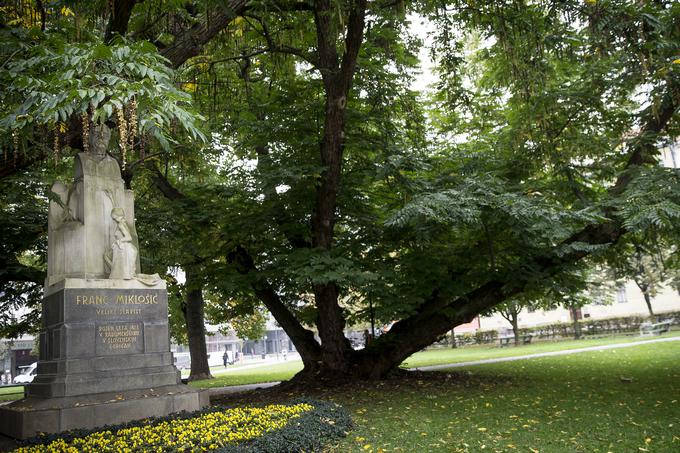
46	81
652	199
464	206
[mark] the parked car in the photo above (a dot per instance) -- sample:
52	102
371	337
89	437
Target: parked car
26	374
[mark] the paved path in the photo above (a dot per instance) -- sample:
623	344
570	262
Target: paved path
259	364
543	354
250	364
219	391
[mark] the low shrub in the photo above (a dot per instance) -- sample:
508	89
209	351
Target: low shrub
605	326
560	330
303	425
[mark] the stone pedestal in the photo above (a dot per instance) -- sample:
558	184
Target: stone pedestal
104	358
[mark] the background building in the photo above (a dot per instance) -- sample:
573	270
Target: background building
15	354
629	301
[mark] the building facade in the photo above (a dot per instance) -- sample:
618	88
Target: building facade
629	301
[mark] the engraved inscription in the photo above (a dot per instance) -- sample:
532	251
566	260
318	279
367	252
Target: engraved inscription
137	299
91	300
113	305
119	338
118	311
121	299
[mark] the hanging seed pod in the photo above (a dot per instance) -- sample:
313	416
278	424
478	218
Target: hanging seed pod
55	146
15	143
122	135
85	119
132	123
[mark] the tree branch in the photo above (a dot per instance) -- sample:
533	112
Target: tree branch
644	149
353	40
283	5
163	185
190	43
304	340
243	56
278	48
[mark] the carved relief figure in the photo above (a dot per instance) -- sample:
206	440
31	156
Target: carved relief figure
121	258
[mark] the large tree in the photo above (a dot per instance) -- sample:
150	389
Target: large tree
546	122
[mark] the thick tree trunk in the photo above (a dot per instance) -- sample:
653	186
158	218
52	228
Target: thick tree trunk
337	74
412	334
195	321
120	16
330	321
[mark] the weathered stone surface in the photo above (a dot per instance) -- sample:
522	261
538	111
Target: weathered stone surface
28	417
101	337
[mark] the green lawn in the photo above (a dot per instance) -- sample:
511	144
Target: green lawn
269	373
186	371
471	353
284	371
11	393
622	400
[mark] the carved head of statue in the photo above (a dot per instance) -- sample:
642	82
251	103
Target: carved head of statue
117	214
100	135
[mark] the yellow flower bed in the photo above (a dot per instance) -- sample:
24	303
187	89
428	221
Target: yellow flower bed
202	433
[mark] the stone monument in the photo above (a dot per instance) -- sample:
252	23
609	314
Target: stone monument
104	343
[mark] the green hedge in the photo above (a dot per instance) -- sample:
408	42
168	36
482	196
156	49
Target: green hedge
596	327
309	432
589	327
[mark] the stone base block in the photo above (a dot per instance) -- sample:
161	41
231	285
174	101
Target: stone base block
31	416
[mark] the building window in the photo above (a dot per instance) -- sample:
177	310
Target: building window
621	296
